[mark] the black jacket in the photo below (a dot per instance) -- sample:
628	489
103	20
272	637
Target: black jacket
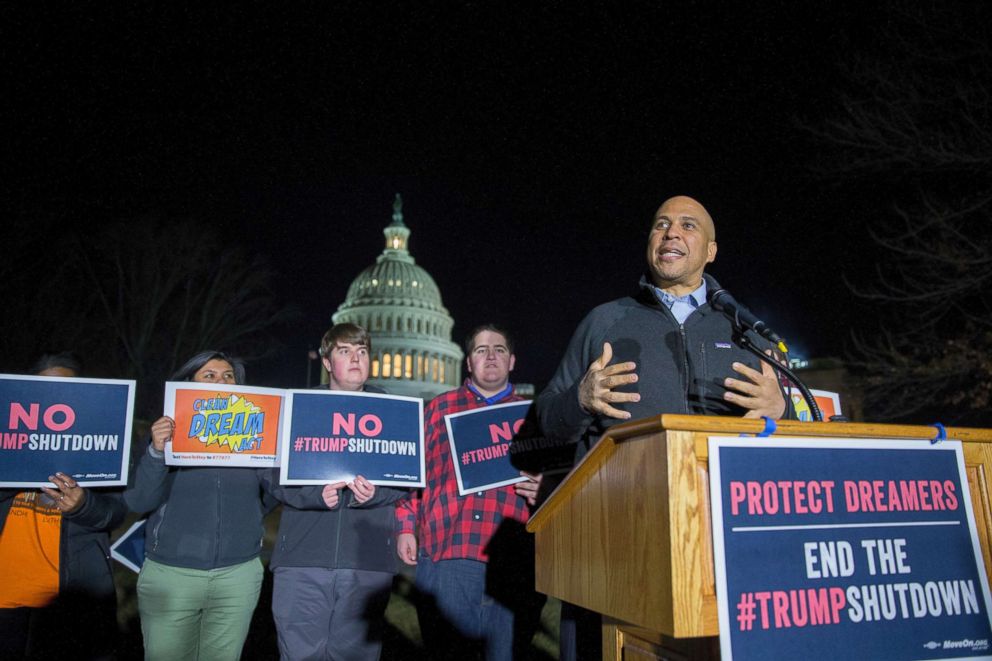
681	368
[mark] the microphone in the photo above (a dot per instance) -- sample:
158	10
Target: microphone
722	301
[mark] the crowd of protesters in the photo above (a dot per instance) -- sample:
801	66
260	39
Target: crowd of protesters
338	543
333	563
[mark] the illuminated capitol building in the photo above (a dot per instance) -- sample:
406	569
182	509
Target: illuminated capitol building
400	304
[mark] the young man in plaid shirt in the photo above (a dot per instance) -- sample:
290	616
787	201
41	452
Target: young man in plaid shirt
463	545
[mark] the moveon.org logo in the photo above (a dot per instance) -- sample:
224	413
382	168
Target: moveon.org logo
966	643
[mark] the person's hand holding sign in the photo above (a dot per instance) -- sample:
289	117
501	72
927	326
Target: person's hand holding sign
331	494
362	488
528	490
69	497
162	432
596	393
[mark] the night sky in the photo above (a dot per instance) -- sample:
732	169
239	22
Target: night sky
531	143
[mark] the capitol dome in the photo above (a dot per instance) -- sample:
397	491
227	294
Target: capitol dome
400	304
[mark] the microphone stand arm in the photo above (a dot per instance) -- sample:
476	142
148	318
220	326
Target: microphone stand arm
745	342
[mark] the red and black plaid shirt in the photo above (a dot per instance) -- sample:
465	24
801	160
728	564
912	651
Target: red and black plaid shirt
453	526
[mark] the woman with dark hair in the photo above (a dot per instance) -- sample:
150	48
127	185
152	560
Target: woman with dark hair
202	575
56	578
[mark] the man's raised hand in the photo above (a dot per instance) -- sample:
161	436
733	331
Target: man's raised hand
759	392
596	393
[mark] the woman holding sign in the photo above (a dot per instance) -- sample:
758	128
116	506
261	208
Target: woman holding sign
56	581
202	575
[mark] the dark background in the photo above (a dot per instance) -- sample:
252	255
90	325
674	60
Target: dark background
531	142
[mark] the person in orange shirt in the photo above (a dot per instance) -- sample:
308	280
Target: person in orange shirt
56	582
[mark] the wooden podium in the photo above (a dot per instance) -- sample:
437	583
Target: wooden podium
627	533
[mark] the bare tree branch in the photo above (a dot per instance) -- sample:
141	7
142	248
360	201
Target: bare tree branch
915	115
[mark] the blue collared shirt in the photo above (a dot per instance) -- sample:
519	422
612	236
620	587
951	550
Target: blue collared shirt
505	392
682	306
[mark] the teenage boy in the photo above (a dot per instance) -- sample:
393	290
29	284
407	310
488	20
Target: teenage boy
333	560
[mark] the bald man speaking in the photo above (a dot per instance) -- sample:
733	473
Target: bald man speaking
663	350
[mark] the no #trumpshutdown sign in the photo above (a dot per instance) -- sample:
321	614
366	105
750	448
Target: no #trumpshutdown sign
481	443
829	549
81	427
223	425
333	436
